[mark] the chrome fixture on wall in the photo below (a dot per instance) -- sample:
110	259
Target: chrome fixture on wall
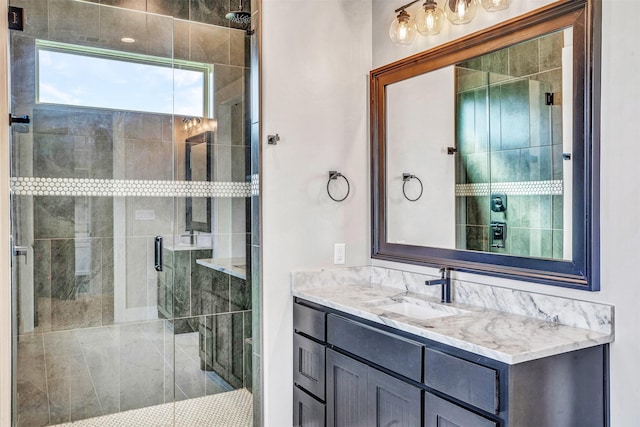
429	19
334	175
239	16
406	177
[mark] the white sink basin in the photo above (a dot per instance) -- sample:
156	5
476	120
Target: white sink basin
420	310
415	311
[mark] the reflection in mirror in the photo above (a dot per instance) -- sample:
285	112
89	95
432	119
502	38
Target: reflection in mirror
510	138
419	128
198	152
505	189
485	151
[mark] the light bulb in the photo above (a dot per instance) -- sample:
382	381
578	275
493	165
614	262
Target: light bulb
429	19
460	11
493	5
402	30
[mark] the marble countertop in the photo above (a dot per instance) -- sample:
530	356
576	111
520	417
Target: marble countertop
236	267
185	247
506	337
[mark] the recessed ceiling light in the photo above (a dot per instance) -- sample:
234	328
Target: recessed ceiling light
128	40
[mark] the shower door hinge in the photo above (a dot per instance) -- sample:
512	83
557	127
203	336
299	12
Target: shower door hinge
549	98
16	18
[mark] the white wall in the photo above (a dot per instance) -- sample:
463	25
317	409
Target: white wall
315	97
420	127
316	55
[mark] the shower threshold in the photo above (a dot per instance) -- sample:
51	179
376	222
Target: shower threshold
230	409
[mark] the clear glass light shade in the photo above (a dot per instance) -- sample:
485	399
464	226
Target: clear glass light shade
403	30
493	5
460	11
429	19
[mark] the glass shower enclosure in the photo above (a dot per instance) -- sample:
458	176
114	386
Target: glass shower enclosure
129	221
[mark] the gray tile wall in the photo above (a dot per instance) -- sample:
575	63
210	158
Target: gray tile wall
499	95
255	220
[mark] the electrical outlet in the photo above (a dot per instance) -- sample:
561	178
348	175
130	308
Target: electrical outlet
339	253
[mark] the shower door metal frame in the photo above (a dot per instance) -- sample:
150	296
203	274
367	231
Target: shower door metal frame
5	229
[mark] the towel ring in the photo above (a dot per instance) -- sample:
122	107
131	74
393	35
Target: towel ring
334	175
406	177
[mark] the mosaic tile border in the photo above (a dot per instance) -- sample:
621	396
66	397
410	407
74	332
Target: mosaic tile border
520	188
255	184
35	186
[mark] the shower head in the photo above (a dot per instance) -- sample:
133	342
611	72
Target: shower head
239	16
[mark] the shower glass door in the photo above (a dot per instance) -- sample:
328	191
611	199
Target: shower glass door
92	186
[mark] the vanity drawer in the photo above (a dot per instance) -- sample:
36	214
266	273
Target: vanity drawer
438	413
309	365
466	381
309	321
390	351
307	411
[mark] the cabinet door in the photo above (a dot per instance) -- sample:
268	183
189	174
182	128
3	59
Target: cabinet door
307	411
308	365
392	402
346	391
223	350
441	413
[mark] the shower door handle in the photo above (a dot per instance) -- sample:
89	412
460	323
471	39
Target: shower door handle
20	251
25	120
158	253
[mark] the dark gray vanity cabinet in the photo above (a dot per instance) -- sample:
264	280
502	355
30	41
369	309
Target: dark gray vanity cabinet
359	395
442	413
307	411
221	346
352	372
309	351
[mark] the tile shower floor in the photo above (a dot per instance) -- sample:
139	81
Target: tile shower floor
231	409
74	375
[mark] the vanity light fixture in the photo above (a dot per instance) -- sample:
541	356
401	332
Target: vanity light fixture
460	11
429	19
128	40
191	123
494	5
196	125
403	29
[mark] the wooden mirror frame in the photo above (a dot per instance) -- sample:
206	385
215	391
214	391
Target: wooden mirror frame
582	272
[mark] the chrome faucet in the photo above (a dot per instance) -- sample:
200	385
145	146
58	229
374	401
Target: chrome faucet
445	281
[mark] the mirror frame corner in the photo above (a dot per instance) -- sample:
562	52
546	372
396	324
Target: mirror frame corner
583	271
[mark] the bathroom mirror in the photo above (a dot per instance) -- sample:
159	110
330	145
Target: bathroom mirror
198	168
485	151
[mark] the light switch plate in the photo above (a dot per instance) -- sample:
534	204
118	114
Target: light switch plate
339	254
